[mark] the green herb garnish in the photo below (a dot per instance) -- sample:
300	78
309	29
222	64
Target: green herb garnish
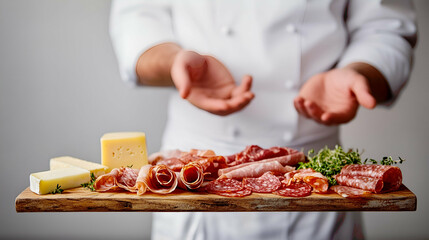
131	166
57	190
90	184
330	162
386	161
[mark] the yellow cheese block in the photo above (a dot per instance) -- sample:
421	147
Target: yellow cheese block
123	149
66	161
47	181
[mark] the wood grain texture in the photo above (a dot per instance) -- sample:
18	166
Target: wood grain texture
83	200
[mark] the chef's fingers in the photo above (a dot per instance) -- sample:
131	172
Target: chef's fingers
298	102
329	118
313	110
363	94
245	86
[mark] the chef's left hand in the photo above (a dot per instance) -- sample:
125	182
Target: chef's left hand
333	97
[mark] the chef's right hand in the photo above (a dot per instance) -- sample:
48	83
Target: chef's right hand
207	83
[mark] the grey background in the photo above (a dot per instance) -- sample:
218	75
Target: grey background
60	91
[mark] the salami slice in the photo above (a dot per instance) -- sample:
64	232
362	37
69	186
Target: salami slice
294	190
390	175
224	185
371	184
241	193
349	192
266	183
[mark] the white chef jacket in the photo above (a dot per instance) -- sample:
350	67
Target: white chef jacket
281	44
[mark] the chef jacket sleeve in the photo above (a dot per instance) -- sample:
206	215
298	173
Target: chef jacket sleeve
382	34
135	26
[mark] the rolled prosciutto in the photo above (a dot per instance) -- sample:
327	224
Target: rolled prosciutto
157	179
191	176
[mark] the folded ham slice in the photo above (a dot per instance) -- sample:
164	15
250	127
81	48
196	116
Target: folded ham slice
256	169
157	179
290	160
254	153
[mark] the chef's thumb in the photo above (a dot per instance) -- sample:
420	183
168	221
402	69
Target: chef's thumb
188	66
363	94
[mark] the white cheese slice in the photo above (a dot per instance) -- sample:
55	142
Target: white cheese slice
47	181
67	161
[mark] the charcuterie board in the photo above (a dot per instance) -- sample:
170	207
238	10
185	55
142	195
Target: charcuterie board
83	200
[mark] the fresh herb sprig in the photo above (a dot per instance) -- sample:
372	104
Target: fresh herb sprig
330	162
385	161
90	184
58	190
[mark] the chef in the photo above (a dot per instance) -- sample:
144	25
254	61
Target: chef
270	73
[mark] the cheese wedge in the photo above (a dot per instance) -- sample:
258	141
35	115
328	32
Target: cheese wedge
47	181
123	149
66	162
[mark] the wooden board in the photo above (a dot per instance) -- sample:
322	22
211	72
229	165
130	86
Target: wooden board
83	200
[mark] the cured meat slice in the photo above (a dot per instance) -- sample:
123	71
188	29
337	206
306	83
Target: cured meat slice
241	193
191	175
211	166
107	181
267	183
294	190
349	192
173	163
225	185
391	175
371	184
256	169
126	179
255	153
158	179
316	180
290	160
162	155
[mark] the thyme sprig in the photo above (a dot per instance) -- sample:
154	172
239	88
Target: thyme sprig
90	184
57	190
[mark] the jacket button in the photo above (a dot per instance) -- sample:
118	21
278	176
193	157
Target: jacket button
291	28
289	84
226	30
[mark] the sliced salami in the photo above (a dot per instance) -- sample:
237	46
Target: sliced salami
241	193
267	183
294	190
391	175
349	192
371	184
224	185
